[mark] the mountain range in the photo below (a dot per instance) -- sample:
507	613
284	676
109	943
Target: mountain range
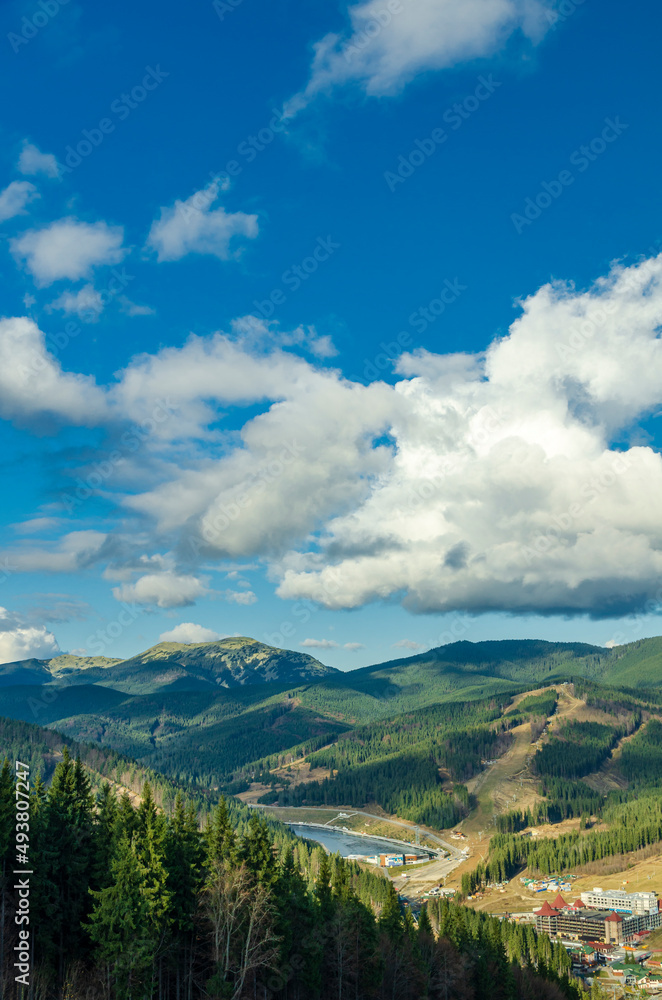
210	711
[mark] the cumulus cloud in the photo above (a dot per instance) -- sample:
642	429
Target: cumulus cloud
33	384
353	647
33	161
475	482
387	46
68	248
408	644
505	490
165	590
21	642
244	597
86	303
189	632
15	197
320	643
192	226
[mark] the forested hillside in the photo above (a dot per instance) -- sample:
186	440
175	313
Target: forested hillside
152	885
630	818
134	902
412	765
195	731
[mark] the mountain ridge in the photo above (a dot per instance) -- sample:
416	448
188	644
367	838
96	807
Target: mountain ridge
226	663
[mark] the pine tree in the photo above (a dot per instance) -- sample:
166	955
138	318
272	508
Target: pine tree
221	840
424	924
121	924
256	852
300	946
390	919
62	837
323	890
105	835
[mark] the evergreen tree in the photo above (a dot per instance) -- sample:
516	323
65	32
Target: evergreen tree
122	922
390	919
257	853
62	837
323	891
220	837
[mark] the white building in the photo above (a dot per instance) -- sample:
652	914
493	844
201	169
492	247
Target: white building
639	903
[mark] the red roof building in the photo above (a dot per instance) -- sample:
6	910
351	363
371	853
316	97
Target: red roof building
546	911
578	905
559	903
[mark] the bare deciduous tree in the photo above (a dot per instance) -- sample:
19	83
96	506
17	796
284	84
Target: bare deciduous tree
240	912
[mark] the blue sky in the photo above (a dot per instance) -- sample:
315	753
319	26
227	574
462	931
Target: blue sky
335	326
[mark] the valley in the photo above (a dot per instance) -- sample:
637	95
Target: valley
505	760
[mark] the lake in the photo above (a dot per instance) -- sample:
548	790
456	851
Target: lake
348	843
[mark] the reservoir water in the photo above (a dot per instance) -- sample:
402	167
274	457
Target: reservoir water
348	843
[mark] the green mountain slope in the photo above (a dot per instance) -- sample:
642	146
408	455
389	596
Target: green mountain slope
636	665
210	711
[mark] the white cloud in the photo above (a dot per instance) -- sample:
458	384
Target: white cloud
21	642
73	552
386	48
353	647
320	643
165	590
189	632
244	597
87	303
192	227
36	524
68	248
407	644
32	383
504	490
15	197
476	482
33	161
133	308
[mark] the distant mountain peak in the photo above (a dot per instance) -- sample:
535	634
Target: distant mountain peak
231	662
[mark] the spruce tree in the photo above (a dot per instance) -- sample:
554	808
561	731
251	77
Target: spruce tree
390	919
121	924
62	838
220	838
257	853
